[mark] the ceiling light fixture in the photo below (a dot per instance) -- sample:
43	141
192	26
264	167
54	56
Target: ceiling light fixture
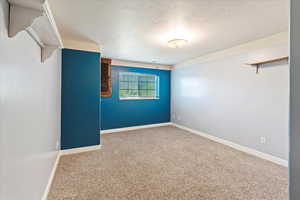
177	43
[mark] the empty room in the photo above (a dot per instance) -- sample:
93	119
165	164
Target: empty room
149	100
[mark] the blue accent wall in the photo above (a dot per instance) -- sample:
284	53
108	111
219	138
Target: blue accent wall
116	113
80	112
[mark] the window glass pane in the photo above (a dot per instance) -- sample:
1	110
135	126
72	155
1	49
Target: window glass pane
121	77
130	78
123	85
143	93
125	77
151	93
133	85
137	85
143	85
143	78
123	93
151	85
135	78
151	78
132	93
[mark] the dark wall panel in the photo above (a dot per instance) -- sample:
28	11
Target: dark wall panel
116	113
80	115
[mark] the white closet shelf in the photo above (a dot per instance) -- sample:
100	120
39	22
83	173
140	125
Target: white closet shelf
35	17
261	63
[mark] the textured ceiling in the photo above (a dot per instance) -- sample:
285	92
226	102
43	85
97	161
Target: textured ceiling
138	30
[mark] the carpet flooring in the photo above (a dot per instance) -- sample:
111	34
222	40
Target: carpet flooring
166	163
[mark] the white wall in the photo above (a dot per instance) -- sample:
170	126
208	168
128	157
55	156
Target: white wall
29	114
295	101
218	94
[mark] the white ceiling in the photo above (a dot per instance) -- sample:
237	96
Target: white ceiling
138	30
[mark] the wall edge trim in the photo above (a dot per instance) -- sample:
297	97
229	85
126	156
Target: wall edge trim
126	63
261	43
80	150
236	146
51	178
81	45
131	128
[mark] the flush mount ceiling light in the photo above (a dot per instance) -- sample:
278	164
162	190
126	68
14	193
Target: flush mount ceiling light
177	43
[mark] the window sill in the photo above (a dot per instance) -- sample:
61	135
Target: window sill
139	98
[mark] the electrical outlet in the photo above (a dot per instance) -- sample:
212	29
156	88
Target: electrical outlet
263	140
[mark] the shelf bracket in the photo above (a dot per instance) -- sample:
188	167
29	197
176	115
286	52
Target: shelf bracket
21	18
35	17
47	51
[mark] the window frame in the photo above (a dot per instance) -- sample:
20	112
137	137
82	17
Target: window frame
156	97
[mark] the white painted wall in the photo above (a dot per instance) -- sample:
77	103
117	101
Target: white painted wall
294	164
218	94
29	114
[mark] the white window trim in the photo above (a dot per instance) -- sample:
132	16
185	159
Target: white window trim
139	98
138	74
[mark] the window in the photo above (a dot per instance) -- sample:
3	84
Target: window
138	86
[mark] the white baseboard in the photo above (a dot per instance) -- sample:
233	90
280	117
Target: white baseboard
134	128
248	150
65	152
89	148
80	150
47	190
244	149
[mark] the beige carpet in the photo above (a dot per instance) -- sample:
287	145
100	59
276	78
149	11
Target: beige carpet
166	163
